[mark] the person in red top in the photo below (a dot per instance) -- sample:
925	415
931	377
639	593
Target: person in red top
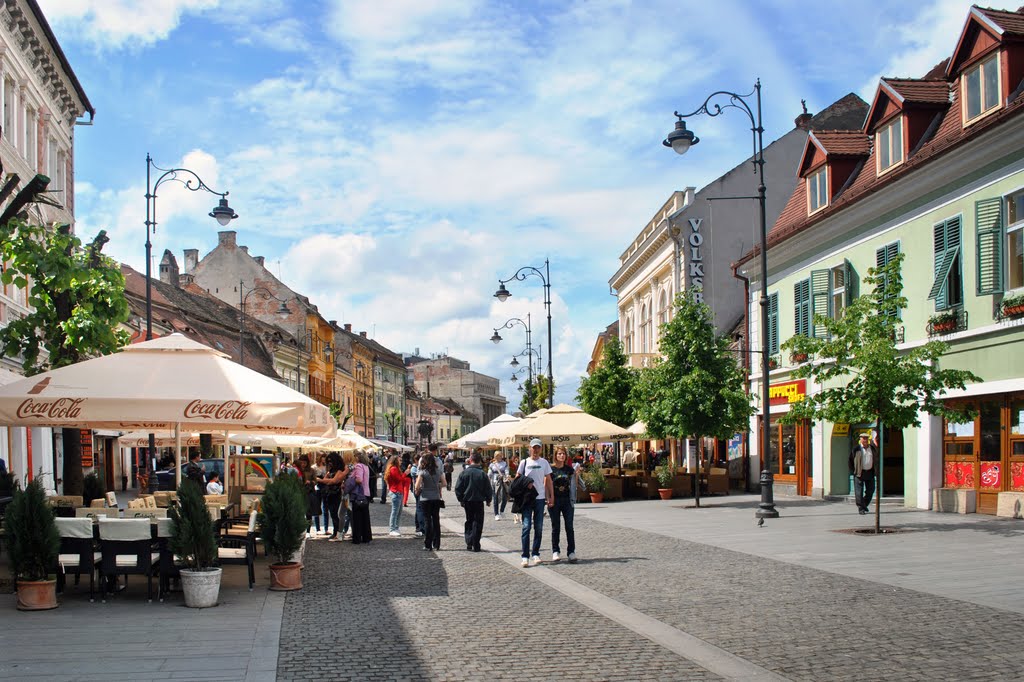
398	488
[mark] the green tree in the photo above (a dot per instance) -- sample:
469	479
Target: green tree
861	374
393	418
606	392
340	420
697	389
76	298
535	394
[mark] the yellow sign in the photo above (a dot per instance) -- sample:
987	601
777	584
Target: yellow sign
840	429
788	392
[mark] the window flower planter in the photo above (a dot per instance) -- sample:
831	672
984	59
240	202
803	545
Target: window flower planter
1012	306
797	358
947	322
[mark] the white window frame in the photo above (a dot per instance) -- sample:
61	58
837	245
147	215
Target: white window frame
10	115
1014	230
884	143
836	274
980	68
31	137
817	190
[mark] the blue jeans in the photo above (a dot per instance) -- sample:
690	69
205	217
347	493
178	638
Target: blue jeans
500	498
396	510
563	509
533	517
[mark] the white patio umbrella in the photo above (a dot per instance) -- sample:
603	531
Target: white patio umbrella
391	445
276	440
167	383
164	439
480	437
638	429
348	440
566	425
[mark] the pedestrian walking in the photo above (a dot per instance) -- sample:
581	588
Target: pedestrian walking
564	480
396	481
538	470
336	472
517	509
449	467
385	458
473	490
319	471
359	500
374	464
429	484
862	462
498	472
308	477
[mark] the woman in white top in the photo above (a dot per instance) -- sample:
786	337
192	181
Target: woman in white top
498	471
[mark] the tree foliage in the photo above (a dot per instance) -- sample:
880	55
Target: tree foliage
340	419
535	394
192	535
605	393
393	418
76	301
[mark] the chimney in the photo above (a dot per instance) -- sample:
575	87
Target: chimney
169	269
259	260
191	260
244	249
803	121
226	239
186	278
362	334
333	323
348	328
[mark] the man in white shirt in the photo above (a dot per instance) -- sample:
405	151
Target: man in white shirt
539	470
214	487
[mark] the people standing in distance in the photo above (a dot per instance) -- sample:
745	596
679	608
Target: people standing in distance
213	486
564	482
449	467
473	490
359	500
308	477
194	472
319	471
429	484
498	472
396	482
336	472
538	470
862	462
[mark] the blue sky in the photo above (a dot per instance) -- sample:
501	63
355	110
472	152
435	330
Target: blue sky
392	159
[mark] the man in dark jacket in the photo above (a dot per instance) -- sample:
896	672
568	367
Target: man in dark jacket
194	471
473	490
862	461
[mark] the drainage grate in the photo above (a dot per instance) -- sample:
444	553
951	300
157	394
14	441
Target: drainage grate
871	531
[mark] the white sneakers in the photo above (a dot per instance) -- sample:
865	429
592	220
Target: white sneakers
395	534
572	557
419	534
497	517
526	562
555	556
535	560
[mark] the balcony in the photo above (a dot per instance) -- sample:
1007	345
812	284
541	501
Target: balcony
643	359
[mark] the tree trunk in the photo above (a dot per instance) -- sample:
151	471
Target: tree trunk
878	478
73	476
696	486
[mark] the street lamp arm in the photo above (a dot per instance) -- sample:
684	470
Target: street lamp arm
193	183
511	323
736	101
524	272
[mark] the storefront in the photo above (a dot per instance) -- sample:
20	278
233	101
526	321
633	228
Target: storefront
790	453
987	453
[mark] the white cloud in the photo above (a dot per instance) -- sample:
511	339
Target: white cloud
113	24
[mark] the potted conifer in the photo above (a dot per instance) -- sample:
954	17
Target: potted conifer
282	523
33	544
192	539
664	473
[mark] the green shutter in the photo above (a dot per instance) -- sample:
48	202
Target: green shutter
988	225
802	307
851	280
883	257
821	299
773	324
946	241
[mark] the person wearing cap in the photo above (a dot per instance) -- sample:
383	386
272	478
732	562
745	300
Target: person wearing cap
538	470
863	460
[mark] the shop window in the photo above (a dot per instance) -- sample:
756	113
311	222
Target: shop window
980	87
889	145
1017	427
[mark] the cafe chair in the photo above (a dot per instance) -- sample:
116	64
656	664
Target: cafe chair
78	553
235	548
128	549
170	565
96	512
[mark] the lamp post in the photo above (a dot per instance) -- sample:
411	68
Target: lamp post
243	296
509	323
680	140
502	295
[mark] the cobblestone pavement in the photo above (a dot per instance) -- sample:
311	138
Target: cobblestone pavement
402	613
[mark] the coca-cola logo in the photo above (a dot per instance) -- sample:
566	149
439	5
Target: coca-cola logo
229	410
61	408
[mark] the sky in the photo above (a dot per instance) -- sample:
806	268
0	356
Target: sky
393	159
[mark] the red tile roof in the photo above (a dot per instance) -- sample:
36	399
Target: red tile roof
920	91
842	142
1011	23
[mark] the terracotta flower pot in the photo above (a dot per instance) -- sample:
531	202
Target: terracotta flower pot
286	576
597	498
666	493
1013	310
37	595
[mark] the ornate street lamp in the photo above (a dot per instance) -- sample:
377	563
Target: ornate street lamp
680	140
243	296
502	294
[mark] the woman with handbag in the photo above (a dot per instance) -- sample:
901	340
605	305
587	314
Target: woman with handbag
498	472
429	484
336	472
359	500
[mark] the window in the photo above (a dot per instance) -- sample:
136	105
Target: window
980	87
663	308
840	277
883	257
817	189
773	324
9	110
802	308
31	126
889	145
1015	240
627	338
947	287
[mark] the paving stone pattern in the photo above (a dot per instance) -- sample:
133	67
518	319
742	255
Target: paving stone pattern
802	623
391	611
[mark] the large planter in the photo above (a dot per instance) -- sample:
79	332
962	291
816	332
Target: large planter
284	577
201	588
666	493
597	498
1013	310
37	595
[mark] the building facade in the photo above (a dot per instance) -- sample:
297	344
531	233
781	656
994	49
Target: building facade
448	377
936	173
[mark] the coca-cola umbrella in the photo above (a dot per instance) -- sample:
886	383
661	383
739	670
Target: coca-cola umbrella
167	383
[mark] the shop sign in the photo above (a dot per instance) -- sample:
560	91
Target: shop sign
787	392
696	260
840	429
85	438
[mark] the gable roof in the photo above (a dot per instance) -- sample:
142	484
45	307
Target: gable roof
917	93
834	143
1002	25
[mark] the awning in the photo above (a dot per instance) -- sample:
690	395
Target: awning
390	444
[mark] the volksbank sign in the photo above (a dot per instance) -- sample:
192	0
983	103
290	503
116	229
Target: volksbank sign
696	259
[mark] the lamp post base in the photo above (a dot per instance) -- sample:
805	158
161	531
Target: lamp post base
766	508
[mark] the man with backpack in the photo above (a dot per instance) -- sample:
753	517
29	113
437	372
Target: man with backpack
538	471
473	490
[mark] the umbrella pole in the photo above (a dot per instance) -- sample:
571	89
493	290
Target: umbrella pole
227	470
177	456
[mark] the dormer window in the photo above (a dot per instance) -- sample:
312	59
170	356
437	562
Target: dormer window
980	86
817	189
889	145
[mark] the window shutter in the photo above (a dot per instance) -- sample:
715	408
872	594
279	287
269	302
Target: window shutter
988	223
773	324
802	307
946	240
821	299
851	281
883	257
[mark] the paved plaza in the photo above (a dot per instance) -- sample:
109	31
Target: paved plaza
662	591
